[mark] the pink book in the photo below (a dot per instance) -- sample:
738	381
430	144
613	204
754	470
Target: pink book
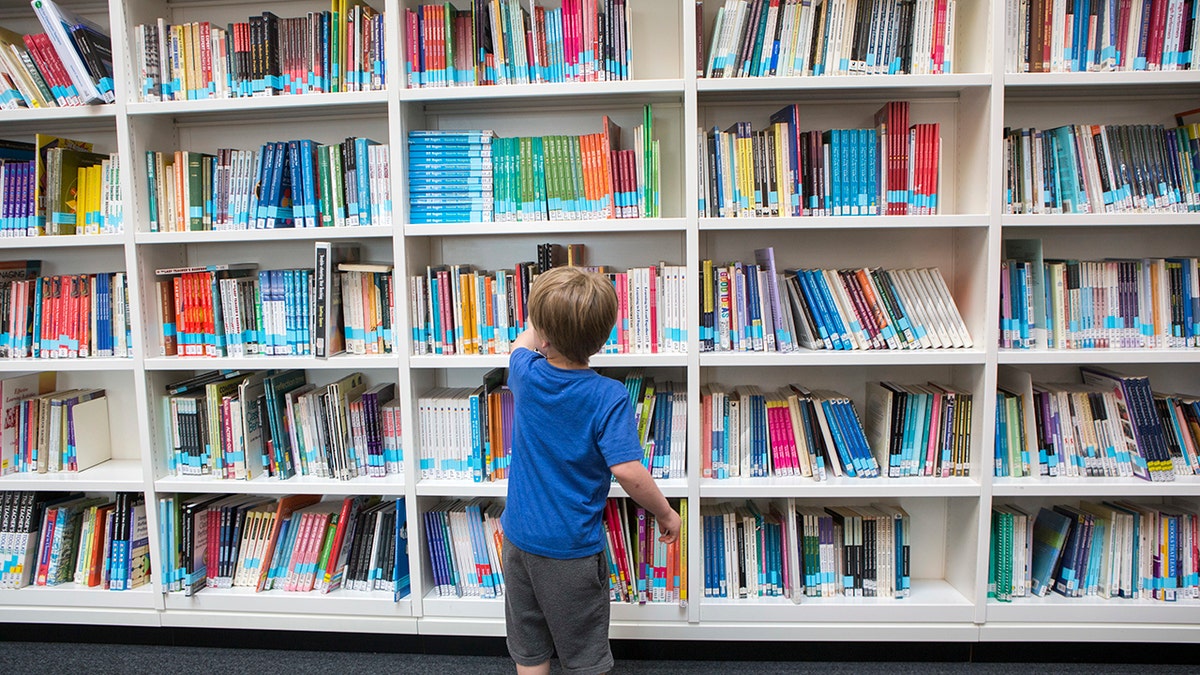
653	309
935	436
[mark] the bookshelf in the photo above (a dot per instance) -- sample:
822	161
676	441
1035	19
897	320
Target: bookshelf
950	515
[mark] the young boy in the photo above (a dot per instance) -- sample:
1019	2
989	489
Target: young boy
572	430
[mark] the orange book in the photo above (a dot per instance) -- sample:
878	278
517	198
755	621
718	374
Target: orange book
287	505
96	561
610	140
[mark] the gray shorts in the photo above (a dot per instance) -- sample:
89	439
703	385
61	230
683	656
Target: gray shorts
557	605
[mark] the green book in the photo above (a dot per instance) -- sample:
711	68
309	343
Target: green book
325	182
62	188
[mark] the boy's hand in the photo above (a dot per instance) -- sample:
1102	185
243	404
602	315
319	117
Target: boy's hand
669	527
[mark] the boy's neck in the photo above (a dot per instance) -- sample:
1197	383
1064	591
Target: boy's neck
559	361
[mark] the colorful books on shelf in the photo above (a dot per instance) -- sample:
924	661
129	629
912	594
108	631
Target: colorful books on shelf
65	431
464	541
749	307
338	50
1110	425
643	569
1042	36
920	429
70	316
793	550
785	38
892	169
296	183
236	425
1102	168
291	544
232	310
457	309
1117	303
53	539
57	186
794	431
1111	549
660	412
475	176
466	433
71	64
514	42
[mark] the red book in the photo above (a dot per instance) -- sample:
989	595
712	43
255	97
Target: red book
939	37
1158	24
339	534
48	524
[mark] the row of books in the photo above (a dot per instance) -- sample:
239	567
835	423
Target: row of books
456	309
791	550
892	169
55	538
790	432
240	426
1055	36
64	431
1109	425
660	412
465	540
82	189
71	64
1111	549
63	317
750	307
207	312
787	38
296	183
1148	303
294	544
1103	168
58	186
512	42
466	432
643	569
475	176
328	51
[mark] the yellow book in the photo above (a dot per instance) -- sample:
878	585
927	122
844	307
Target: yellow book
83	185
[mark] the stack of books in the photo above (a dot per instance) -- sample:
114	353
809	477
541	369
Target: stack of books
749	307
58	186
511	42
795	551
892	169
1118	303
465	540
474	176
1043	36
62	317
1111	549
293	544
1109	425
643	569
1102	168
296	183
54	539
235	425
760	38
332	51
71	64
791	432
64	431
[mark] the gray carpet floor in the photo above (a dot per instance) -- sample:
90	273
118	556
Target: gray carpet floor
68	658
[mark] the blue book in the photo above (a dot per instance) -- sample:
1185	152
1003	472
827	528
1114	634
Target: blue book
362	164
839	442
833	318
1050	530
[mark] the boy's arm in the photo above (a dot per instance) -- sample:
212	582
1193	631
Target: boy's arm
640	486
528	339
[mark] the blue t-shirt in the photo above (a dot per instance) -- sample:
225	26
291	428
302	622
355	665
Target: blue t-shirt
569	427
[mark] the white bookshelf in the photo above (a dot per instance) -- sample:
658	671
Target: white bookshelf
950	516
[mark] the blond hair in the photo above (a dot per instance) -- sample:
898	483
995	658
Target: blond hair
573	310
